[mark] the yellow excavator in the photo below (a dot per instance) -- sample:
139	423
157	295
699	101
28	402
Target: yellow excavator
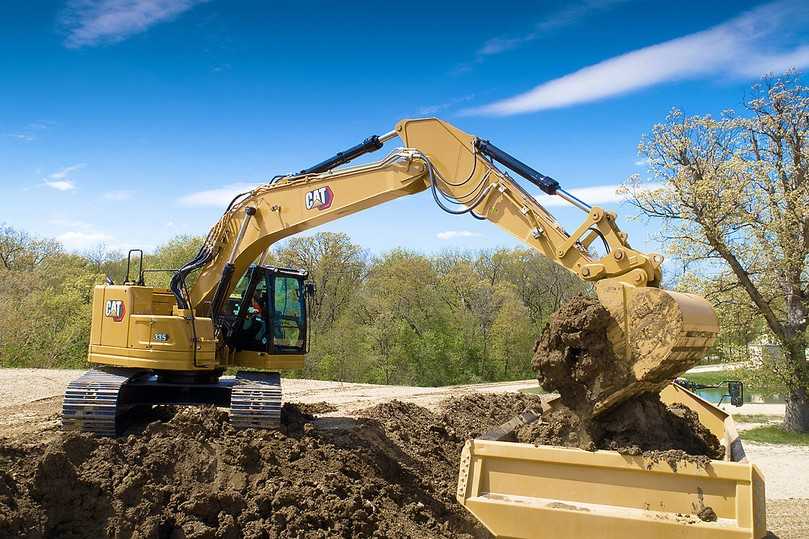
171	346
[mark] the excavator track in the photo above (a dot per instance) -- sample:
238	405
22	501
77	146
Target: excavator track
92	402
255	400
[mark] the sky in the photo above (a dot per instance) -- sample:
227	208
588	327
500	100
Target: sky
127	122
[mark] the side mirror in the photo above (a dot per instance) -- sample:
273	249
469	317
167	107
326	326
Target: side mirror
310	288
736	392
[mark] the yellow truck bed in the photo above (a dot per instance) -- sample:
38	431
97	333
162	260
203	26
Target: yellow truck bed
522	490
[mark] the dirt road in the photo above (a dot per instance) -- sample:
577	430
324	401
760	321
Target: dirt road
30	399
30	402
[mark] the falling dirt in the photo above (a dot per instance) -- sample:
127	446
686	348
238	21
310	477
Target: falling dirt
573	357
187	473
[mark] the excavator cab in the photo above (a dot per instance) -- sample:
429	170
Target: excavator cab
267	311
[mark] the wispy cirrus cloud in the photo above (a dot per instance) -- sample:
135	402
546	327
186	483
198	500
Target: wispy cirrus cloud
93	22
456	234
566	16
742	46
219	197
60	180
29	132
22	137
435	109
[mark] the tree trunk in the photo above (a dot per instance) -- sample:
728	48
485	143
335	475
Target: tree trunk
796	418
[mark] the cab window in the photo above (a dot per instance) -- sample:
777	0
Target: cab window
289	315
231	305
254	330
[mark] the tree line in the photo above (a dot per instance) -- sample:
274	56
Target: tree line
402	317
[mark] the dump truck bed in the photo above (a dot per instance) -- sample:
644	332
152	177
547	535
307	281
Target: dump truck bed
522	490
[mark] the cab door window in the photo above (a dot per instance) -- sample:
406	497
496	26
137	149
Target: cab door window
254	331
289	315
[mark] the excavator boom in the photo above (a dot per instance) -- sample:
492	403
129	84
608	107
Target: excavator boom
657	334
181	339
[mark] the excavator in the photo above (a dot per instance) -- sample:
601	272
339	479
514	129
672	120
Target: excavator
226	309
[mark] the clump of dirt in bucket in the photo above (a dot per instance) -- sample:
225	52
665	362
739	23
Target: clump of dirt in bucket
573	356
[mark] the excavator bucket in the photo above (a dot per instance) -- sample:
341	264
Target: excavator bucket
657	335
520	490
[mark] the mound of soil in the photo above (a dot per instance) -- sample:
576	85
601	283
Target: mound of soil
316	408
186	473
573	356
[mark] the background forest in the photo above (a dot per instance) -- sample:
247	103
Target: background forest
399	318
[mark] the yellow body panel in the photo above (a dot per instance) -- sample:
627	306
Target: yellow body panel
133	326
526	491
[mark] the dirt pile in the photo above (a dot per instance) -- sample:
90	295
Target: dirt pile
187	473
573	357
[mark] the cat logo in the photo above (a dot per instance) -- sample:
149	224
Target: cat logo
115	309
320	198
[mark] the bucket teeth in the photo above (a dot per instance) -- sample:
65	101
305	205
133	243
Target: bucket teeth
255	400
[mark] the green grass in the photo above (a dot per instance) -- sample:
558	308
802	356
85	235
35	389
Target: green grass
753	418
534	390
775	434
709	378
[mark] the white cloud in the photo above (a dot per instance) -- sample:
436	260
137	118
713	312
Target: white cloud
596	195
92	22
60	185
59	180
568	15
740	47
60	174
118	195
216	197
80	239
434	109
455	234
22	137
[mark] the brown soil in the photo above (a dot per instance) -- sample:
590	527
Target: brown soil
188	473
573	357
316	408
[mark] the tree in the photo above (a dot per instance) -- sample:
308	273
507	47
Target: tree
169	256
734	202
20	251
336	265
102	259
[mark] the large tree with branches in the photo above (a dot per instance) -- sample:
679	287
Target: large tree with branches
733	197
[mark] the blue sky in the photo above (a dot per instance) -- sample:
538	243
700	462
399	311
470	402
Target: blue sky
130	121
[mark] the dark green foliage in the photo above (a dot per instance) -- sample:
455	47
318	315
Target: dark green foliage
400	318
